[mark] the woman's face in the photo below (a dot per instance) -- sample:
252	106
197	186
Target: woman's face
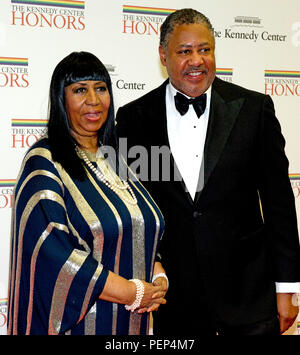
87	105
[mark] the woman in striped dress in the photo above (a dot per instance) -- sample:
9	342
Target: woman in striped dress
84	241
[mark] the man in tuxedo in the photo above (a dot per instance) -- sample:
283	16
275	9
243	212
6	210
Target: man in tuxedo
231	246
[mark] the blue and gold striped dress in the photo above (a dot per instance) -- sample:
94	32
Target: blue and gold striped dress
66	235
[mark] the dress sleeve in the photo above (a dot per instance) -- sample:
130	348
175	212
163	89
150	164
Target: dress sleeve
54	279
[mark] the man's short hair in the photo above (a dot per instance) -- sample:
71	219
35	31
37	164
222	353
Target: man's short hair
180	17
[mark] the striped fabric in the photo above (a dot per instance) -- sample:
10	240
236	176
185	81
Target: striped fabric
26	122
76	4
147	10
13	61
282	73
66	236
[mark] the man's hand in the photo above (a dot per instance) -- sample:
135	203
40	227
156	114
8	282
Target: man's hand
163	284
287	311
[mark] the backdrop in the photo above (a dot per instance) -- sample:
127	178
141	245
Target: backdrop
257	46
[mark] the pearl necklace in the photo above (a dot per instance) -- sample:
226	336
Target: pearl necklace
113	185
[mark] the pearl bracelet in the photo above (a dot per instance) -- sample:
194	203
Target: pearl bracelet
161	274
139	295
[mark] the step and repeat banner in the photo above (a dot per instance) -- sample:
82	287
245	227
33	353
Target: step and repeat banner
257	46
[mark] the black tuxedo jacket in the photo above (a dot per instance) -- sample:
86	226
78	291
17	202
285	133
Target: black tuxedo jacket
225	249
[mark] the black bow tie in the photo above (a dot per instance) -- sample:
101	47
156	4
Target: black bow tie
182	104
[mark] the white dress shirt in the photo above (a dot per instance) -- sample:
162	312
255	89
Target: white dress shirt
187	135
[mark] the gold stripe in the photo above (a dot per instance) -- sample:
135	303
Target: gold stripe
136	179
62	286
154	213
138	258
135	323
90	321
138	248
13	223
86	211
54	177
97	231
43	194
45	153
41	240
119	244
90	324
157	226
36	173
37	151
133	319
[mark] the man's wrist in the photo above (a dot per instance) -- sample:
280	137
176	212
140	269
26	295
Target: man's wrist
287	287
161	274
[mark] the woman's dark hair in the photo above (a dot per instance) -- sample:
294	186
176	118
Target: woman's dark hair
77	66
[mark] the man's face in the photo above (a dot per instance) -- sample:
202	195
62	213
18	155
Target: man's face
190	58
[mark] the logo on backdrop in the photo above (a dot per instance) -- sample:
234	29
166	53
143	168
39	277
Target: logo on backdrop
3	311
111	69
141	20
247	21
250	29
14	72
295	182
282	83
296	34
122	84
25	132
6	192
224	74
58	14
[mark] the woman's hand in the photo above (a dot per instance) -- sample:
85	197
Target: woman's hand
119	290
153	296
157	297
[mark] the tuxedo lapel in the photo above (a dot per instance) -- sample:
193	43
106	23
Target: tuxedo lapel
159	118
223	113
